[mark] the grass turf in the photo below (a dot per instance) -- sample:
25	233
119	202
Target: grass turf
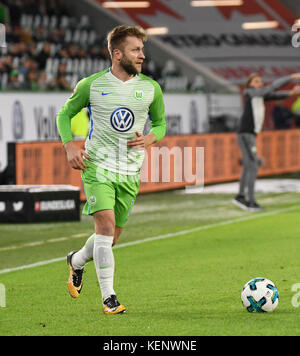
188	284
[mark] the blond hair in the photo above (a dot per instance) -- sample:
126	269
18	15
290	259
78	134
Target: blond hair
117	35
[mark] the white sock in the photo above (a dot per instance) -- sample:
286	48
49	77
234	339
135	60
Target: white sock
105	264
84	255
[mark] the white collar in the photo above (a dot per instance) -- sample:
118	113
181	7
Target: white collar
119	80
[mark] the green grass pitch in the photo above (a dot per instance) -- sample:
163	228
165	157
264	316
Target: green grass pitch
180	267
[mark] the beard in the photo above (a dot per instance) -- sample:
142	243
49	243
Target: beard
128	66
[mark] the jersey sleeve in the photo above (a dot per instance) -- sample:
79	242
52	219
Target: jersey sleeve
269	90
278	95
157	113
77	101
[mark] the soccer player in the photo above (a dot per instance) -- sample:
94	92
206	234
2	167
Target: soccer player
250	125
120	100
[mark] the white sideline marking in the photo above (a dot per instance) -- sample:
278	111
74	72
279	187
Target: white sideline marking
38	243
41	263
161	237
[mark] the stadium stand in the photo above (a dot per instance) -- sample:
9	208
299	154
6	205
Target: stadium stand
50	49
47	48
51	45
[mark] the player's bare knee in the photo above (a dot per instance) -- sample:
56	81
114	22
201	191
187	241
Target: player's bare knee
104	223
106	229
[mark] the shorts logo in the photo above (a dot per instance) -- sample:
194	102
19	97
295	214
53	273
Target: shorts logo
122	119
92	200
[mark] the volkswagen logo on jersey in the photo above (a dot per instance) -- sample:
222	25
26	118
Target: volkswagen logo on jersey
122	119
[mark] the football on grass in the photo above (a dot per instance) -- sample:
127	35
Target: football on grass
260	295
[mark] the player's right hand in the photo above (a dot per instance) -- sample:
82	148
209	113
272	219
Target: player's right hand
75	154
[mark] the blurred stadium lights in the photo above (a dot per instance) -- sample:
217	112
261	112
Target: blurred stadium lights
126	4
157	30
259	25
216	3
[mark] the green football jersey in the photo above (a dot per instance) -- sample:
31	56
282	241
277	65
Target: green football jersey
117	111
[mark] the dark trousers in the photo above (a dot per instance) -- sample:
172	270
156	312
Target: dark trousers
247	143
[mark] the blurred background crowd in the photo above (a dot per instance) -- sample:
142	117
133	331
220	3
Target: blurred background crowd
47	49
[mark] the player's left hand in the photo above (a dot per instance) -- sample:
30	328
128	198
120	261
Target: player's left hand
141	141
